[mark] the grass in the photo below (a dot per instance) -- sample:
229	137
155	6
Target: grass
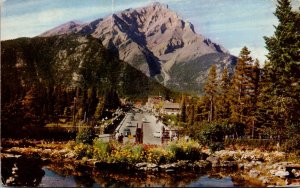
135	153
66	124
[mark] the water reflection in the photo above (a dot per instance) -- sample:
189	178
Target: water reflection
31	173
207	181
54	179
135	179
21	171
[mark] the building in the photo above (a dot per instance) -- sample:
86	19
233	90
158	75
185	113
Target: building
153	103
170	108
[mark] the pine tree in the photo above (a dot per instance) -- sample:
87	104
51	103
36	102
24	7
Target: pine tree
243	89
280	91
99	110
191	114
223	106
92	101
183	115
253	106
31	104
210	89
284	55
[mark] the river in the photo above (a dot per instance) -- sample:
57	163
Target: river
69	175
54	179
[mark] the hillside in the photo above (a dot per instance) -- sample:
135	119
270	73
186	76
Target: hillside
154	39
41	76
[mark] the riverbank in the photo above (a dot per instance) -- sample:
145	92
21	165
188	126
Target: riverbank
257	167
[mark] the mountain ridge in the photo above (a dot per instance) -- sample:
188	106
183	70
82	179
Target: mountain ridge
154	39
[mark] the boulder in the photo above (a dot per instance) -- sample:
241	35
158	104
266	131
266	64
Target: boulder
273	172
282	174
213	160
202	164
146	166
169	166
10	181
228	164
70	155
139	165
241	166
254	173
295	173
151	165
264	180
248	166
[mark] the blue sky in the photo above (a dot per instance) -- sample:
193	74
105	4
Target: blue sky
231	23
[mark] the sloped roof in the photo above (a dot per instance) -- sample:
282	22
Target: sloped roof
168	105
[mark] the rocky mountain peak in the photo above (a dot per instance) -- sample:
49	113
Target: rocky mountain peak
69	27
153	39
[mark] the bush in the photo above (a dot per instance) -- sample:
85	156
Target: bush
82	150
138	153
102	149
85	135
183	150
216	146
252	143
212	135
159	155
70	145
292	143
177	151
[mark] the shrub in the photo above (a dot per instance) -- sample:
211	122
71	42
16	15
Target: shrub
82	150
70	145
292	143
138	153
216	146
177	151
212	135
183	150
251	143
102	149
159	155
123	155
85	135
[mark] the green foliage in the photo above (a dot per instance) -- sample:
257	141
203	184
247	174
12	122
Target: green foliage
83	150
190	73
45	74
158	155
183	150
99	110
210	89
222	103
85	135
212	135
183	116
135	153
280	91
70	145
102	149
263	144
243	96
292	143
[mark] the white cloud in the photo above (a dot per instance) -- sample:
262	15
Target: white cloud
256	53
32	24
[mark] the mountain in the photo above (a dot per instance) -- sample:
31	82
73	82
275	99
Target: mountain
155	40
69	61
69	27
43	77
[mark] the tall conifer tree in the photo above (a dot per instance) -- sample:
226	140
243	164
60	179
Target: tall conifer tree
280	93
210	89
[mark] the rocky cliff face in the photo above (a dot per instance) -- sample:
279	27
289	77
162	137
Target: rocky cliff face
155	40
